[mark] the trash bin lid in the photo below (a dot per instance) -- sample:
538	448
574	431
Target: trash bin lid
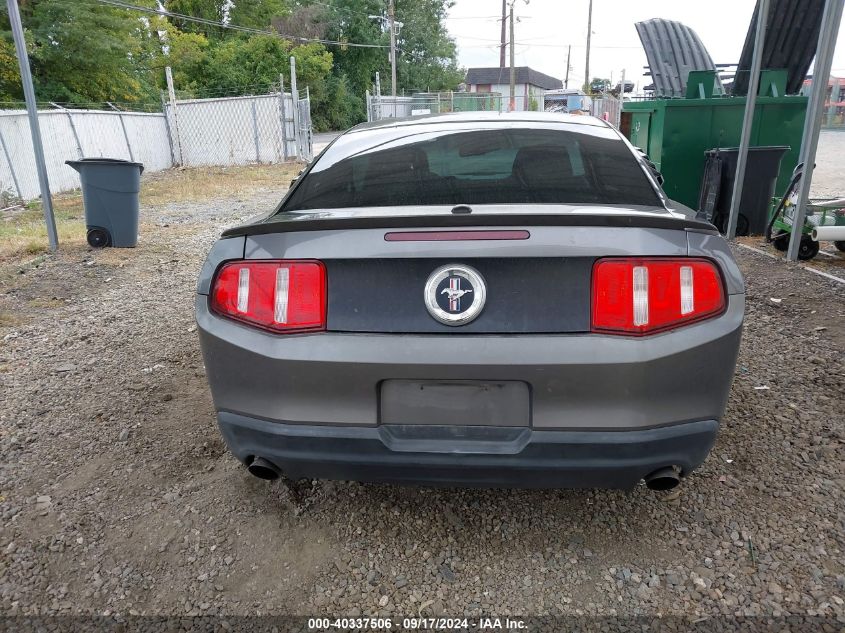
104	161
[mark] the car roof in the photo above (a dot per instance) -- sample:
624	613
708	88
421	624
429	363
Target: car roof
480	117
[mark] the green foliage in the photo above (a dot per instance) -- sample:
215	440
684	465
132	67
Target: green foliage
257	14
206	9
10	76
428	57
84	52
80	52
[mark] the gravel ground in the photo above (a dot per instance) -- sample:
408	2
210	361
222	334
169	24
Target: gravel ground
117	495
829	174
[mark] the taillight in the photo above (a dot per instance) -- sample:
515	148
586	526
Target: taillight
279	295
641	296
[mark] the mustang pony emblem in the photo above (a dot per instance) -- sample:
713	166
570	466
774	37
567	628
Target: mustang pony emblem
455	292
455	281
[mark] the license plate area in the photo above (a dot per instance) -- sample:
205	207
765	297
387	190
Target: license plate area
455	403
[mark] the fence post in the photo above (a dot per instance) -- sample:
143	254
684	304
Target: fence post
369	114
171	92
167	127
72	127
11	166
310	146
282	116
255	132
123	126
297	132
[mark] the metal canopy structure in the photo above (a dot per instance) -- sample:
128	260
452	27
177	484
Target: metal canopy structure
824	60
823	51
673	50
748	120
792	35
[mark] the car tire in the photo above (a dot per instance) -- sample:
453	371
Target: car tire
840	245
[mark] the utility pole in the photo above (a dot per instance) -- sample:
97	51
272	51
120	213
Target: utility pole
503	46
391	21
589	35
34	129
513	67
568	57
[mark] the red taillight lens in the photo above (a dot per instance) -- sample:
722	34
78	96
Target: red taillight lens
280	295
640	296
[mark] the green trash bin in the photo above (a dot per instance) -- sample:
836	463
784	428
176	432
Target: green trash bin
110	189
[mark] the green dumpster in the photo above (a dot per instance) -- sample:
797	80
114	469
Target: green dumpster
676	133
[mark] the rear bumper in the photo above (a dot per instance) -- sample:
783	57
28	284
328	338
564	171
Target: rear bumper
588	382
469	456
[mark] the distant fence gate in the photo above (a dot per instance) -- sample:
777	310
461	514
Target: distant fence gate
239	130
389	107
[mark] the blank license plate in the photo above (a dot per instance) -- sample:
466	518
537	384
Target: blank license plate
455	402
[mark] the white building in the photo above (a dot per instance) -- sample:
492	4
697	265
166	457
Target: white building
530	85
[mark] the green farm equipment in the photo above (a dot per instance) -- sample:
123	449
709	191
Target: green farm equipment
820	215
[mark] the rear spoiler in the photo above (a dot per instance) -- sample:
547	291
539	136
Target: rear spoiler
291	222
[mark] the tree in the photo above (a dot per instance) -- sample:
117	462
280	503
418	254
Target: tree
256	14
10	76
80	52
214	10
427	54
354	67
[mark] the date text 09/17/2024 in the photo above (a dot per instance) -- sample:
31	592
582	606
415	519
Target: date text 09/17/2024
417	623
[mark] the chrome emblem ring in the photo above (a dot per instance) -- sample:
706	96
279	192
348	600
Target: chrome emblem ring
455	294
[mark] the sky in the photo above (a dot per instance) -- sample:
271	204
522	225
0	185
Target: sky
546	27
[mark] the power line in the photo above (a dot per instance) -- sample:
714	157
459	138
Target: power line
234	27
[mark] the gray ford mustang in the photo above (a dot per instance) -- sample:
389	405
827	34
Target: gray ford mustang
473	299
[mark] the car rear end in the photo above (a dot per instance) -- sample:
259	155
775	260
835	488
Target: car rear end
347	341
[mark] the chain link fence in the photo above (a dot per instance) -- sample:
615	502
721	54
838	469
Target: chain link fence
388	107
381	107
239	130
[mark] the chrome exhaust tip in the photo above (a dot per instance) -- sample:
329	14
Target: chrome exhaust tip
663	479
261	468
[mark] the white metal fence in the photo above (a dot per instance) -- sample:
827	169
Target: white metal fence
197	132
73	134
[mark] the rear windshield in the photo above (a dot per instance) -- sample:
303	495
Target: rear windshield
492	166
